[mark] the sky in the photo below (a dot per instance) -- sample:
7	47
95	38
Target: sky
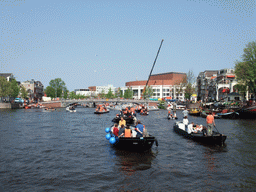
101	42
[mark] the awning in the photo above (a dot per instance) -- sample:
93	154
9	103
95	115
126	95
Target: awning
231	76
225	90
168	98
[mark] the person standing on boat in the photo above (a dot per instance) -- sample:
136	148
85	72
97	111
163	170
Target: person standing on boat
139	129
174	110
185	112
210	123
185	122
115	129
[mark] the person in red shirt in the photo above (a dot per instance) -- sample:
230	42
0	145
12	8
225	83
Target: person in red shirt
210	123
115	130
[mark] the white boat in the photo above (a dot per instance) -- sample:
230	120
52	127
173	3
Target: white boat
152	108
70	110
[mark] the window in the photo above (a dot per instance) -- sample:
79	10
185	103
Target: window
154	90
163	90
154	94
167	94
158	90
167	90
163	94
158	94
181	94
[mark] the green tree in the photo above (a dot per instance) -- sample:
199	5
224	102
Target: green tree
102	94
190	79
59	86
5	87
148	92
72	95
245	70
24	93
65	96
128	94
109	94
50	92
15	89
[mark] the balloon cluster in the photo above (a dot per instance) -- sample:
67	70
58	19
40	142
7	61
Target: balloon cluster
112	140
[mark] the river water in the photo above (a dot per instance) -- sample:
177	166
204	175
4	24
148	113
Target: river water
63	151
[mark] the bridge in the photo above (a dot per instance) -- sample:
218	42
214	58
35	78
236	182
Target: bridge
65	103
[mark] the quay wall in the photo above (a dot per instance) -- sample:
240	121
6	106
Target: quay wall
5	106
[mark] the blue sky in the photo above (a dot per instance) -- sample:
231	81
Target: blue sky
100	42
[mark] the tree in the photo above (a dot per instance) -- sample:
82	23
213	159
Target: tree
109	94
102	94
65	96
58	85
245	70
15	89
5	87
50	92
24	93
190	79
128	94
148	92
72	95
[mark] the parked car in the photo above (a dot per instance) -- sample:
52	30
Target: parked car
18	100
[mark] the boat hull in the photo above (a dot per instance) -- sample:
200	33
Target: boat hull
135	144
101	112
216	139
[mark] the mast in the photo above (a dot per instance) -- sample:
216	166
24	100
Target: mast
153	66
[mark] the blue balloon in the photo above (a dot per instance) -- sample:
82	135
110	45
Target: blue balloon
107	130
108	136
112	140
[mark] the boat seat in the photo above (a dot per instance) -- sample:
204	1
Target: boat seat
181	126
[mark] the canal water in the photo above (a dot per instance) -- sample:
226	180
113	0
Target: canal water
62	151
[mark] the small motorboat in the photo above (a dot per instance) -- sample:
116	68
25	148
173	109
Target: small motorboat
152	108
130	120
101	112
194	112
200	136
171	117
139	144
70	109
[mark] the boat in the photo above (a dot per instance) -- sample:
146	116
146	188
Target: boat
194	112
101	112
205	113
247	112
70	109
171	117
216	139
152	108
228	114
139	144
130	120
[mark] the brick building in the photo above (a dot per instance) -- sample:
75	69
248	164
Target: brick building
163	85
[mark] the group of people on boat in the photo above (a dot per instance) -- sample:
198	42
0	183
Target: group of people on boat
101	108
172	115
123	130
142	109
195	128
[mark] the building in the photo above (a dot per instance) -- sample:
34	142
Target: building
95	90
85	92
34	88
215	84
204	81
163	85
7	76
